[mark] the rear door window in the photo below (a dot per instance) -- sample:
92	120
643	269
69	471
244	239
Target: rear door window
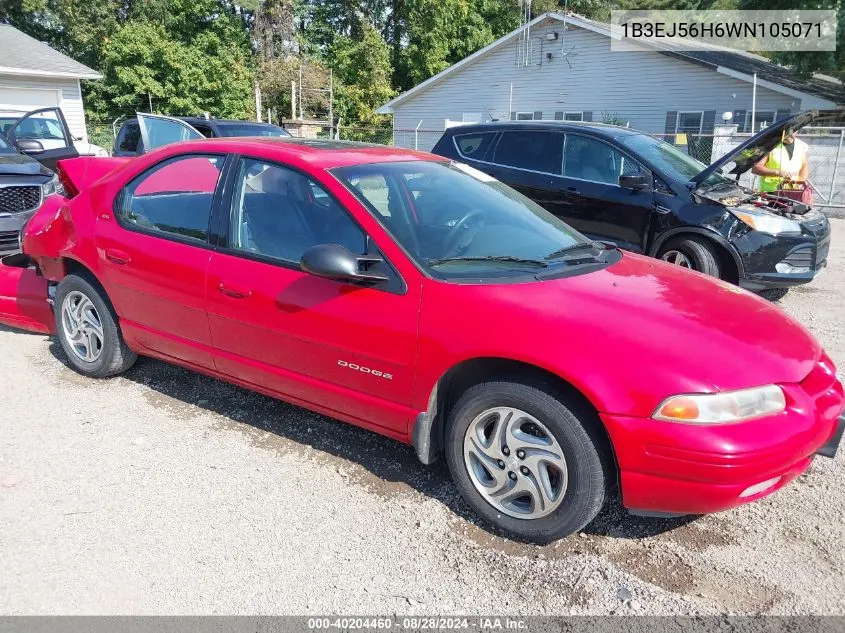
174	198
594	160
534	150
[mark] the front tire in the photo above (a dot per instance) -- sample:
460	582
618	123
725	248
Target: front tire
88	330
694	253
530	463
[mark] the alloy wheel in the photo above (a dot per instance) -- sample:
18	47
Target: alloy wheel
515	463
82	327
677	258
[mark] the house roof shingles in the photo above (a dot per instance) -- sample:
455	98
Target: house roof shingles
746	64
21	54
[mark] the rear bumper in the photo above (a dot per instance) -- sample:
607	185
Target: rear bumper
685	469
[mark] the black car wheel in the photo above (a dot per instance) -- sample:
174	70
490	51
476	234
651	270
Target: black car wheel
692	252
88	330
526	459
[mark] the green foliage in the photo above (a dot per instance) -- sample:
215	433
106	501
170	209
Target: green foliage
144	60
805	63
362	69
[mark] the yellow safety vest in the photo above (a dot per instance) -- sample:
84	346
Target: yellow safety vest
779	159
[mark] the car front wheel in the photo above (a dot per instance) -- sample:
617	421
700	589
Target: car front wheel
692	252
88	330
527	461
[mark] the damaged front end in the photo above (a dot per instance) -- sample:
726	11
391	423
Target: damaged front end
27	278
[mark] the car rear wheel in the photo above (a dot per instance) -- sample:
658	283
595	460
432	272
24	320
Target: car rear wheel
88	331
694	253
527	461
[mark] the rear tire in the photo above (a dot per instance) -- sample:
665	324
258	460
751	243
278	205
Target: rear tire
694	253
88	330
504	438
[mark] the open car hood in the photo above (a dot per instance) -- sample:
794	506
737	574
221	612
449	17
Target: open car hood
748	153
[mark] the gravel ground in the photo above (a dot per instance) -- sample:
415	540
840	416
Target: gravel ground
167	492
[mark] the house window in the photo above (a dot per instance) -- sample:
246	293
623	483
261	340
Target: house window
573	116
524	116
689	122
761	120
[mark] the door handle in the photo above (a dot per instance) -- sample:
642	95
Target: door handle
235	291
118	257
572	190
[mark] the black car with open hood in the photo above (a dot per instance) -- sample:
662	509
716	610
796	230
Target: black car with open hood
24	182
648	196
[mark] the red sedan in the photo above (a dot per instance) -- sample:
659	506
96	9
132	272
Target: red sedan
420	299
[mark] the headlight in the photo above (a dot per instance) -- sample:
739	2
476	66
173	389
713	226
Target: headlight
52	186
722	408
766	222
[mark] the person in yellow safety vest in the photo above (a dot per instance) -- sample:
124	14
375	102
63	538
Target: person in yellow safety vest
787	162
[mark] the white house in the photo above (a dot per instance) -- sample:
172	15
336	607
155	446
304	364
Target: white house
561	67
33	75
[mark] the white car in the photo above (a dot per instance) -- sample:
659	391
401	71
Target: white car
48	128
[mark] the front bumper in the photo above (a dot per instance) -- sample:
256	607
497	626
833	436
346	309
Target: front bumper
10	230
782	261
686	469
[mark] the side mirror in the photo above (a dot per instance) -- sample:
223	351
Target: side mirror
29	146
335	262
634	182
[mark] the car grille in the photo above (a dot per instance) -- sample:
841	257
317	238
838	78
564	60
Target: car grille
17	199
8	241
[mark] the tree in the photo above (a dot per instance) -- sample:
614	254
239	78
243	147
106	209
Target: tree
806	63
196	61
363	72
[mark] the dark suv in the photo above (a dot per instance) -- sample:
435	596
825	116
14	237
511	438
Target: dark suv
129	143
617	184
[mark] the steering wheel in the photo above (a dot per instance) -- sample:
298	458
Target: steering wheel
456	241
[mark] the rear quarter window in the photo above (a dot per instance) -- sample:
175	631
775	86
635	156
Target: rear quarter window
473	146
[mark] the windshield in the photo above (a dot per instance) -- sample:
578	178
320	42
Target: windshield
667	158
455	221
250	130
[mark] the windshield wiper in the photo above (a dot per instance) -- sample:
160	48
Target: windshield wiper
488	258
575	248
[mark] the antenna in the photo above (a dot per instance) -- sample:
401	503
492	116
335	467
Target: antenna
524	46
563	52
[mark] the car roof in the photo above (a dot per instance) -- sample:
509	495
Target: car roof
200	119
597	129
320	153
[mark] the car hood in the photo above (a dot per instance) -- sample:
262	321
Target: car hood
702	328
745	155
21	165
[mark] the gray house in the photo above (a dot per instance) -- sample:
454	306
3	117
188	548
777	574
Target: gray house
561	67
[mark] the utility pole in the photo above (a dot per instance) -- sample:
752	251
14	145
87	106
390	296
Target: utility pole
150	98
293	99
300	91
331	99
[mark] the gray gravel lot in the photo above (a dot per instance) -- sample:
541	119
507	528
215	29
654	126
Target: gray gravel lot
167	492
